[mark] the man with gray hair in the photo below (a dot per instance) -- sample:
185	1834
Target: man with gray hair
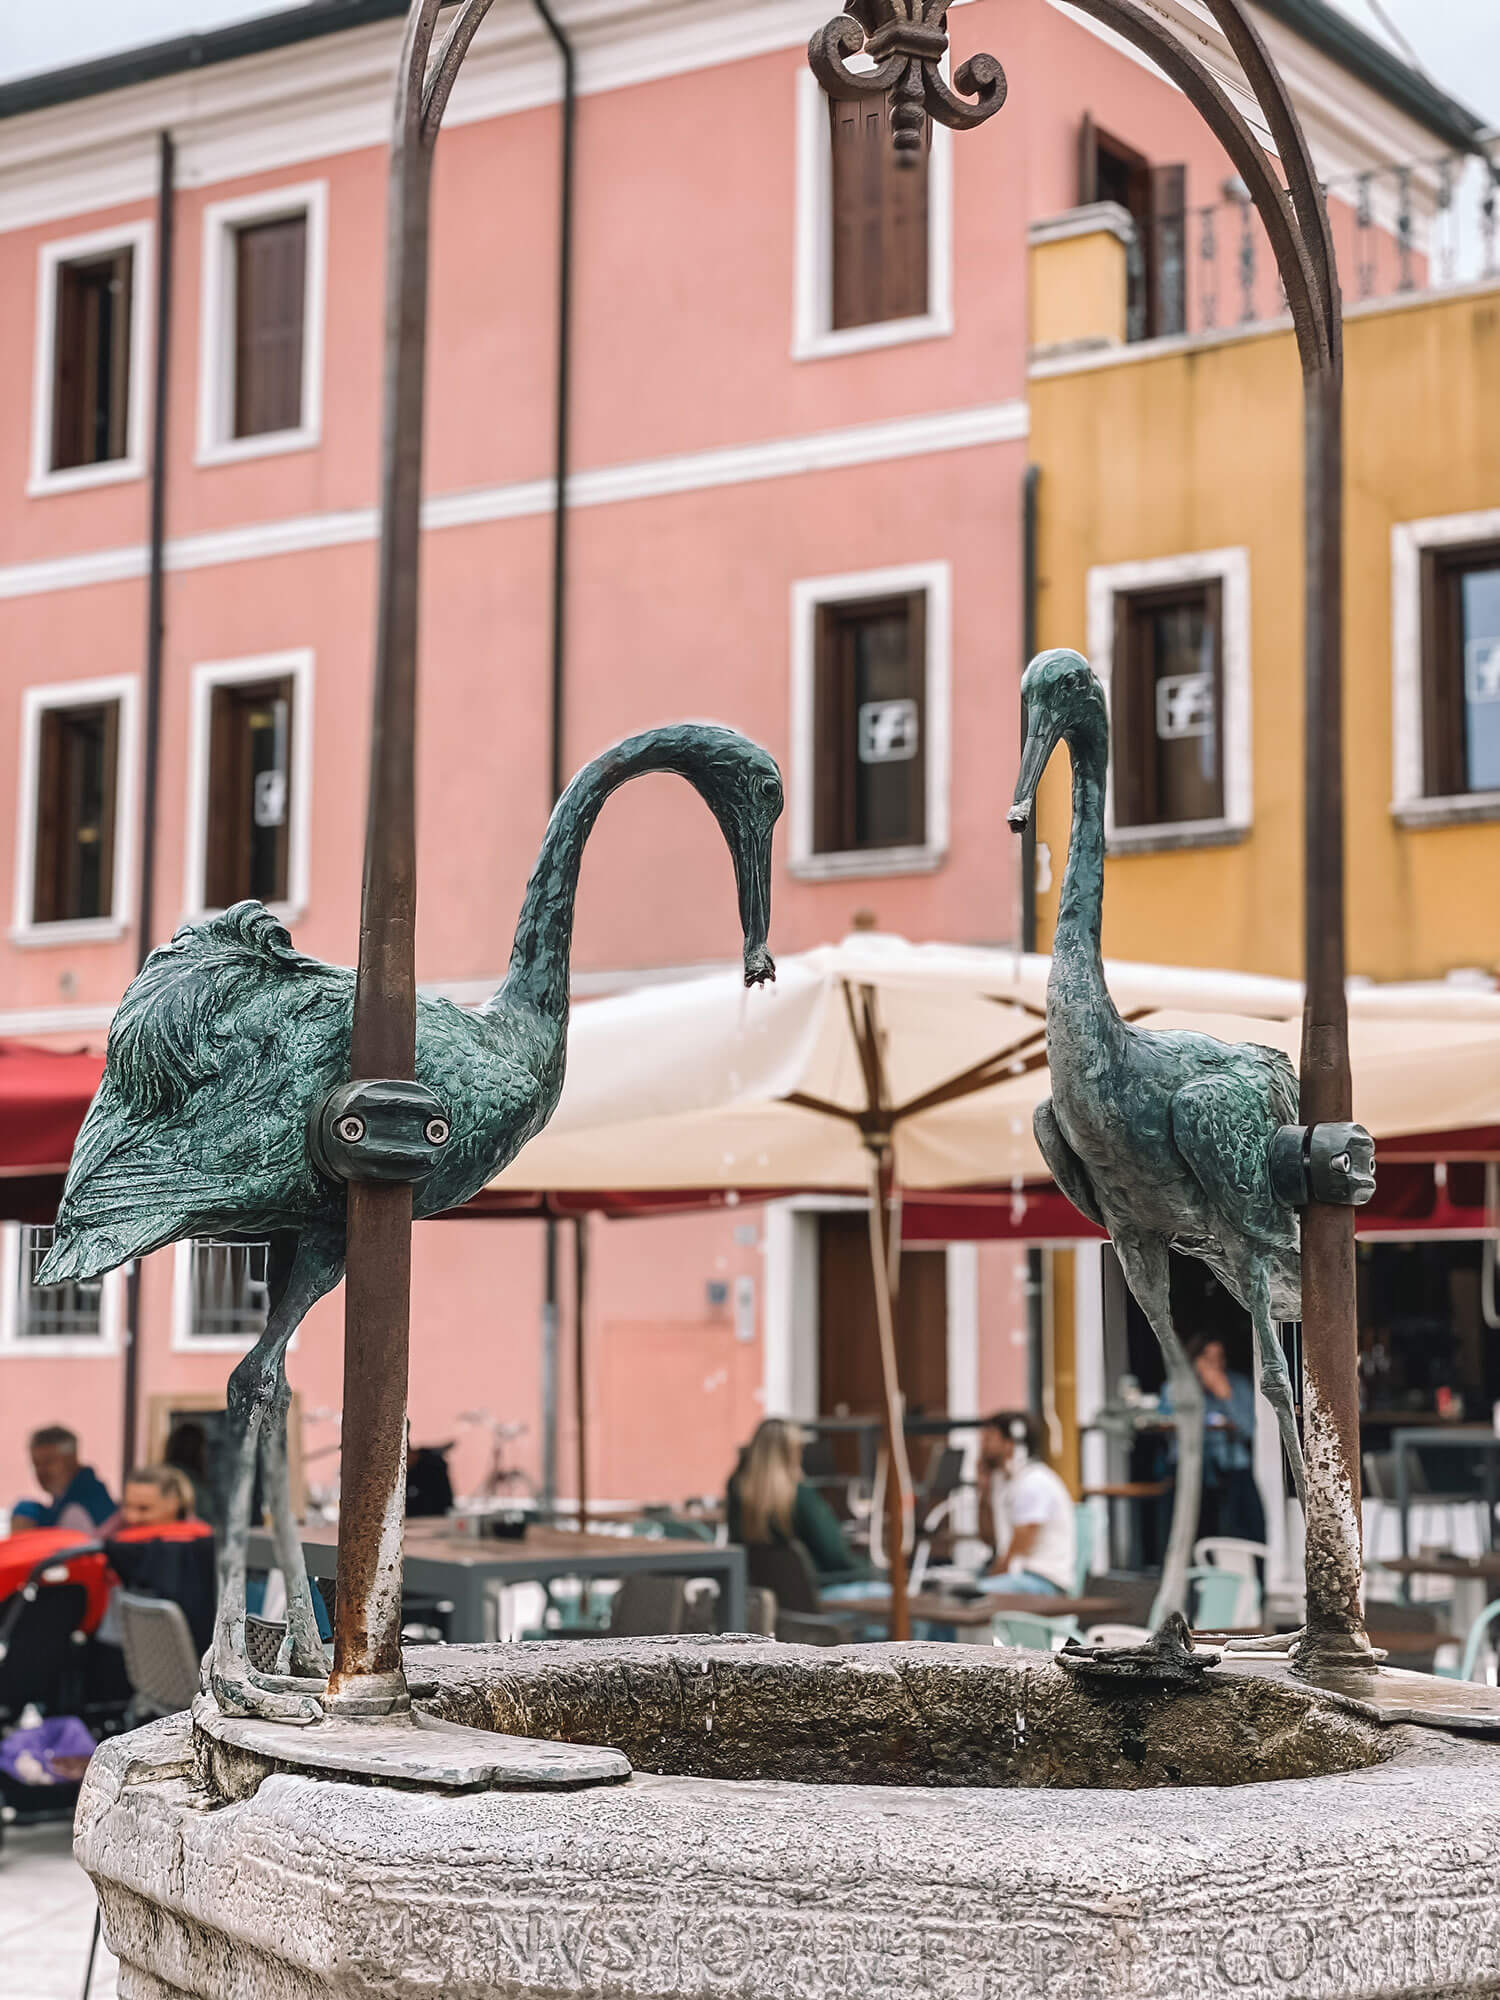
77	1498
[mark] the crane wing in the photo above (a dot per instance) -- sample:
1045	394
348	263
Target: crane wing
1222	1127
1064	1164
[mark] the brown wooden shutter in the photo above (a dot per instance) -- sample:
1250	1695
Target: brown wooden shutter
67	372
879	219
1442	679
110	756
225	867
1088	161
916	668
121	281
270	273
47	876
1130	760
833	734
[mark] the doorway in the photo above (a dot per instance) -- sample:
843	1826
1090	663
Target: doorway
849	1381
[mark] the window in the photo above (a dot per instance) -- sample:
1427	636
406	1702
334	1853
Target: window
248	787
270	262
90	383
72	1310
879	218
74	833
874	237
91	367
1170	640
228	1295
870	722
75	827
248	783
262	324
1156	200
871	670
1167	714
55	1320
1461	670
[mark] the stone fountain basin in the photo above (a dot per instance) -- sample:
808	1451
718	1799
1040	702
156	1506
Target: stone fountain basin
867	1821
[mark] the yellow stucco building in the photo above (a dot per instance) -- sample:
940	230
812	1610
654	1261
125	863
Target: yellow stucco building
1169	550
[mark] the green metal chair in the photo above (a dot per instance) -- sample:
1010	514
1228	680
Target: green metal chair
1214	1595
1473	1645
1083	1515
1040	1635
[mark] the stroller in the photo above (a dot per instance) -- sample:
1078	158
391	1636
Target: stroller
53	1592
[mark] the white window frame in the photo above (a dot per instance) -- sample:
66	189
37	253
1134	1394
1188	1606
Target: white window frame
1410	804
35	702
55	1347
217	444
814	337
298	666
137	237
808	595
1230	569
184	1340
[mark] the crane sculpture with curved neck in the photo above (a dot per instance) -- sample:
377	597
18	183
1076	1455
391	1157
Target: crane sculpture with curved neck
1162	1138
225	1046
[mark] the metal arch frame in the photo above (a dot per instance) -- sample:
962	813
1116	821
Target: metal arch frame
907	39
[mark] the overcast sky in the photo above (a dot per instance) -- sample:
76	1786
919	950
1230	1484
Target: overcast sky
1457	40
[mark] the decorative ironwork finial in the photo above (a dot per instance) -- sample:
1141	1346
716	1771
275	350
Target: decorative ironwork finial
906	40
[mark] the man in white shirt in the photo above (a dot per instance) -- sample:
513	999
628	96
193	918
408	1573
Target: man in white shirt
1031	1521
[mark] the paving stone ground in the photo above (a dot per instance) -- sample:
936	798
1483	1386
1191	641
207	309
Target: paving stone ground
46	1919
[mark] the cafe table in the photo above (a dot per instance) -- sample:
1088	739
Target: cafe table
465	1570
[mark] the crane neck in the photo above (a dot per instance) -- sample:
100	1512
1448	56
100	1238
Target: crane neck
541	953
1080	910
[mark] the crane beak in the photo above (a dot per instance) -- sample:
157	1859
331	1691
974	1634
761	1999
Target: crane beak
752	868
1042	736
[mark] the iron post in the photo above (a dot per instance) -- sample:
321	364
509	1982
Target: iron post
367	1675
907	40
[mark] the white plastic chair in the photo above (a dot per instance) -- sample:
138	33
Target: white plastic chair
1229	1552
1117	1635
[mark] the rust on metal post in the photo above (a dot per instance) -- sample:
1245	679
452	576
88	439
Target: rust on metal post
367	1676
1335	1634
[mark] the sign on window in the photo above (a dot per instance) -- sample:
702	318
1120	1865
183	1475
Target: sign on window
1482	670
887	732
1184	706
270	798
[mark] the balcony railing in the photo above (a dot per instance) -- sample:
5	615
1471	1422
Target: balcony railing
1418	228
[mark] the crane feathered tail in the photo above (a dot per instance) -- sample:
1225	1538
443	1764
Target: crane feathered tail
131	1184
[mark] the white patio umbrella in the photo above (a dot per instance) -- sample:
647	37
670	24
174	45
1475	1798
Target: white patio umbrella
882	1065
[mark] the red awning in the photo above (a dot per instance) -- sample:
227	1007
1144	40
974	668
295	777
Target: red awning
43	1096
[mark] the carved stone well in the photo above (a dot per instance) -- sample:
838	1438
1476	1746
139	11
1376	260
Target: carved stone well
883	1820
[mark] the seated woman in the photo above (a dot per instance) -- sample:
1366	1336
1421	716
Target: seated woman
768	1500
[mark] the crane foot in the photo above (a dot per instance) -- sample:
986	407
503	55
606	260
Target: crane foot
239	1690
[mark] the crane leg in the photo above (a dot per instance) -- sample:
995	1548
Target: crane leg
303	1652
316	1268
1275	1376
1148	1274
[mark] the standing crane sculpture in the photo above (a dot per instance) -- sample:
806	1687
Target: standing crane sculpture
1165	1139
221	1106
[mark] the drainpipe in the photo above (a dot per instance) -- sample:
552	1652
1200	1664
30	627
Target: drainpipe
559	610
1030	483
155	629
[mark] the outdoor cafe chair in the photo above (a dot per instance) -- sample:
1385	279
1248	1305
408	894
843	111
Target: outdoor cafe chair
161	1659
1039	1635
1242	1558
785	1569
1215	1596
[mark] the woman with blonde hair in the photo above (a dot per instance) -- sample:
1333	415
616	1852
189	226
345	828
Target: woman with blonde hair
770	1501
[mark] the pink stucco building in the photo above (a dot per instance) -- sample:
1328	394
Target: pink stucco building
798	449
